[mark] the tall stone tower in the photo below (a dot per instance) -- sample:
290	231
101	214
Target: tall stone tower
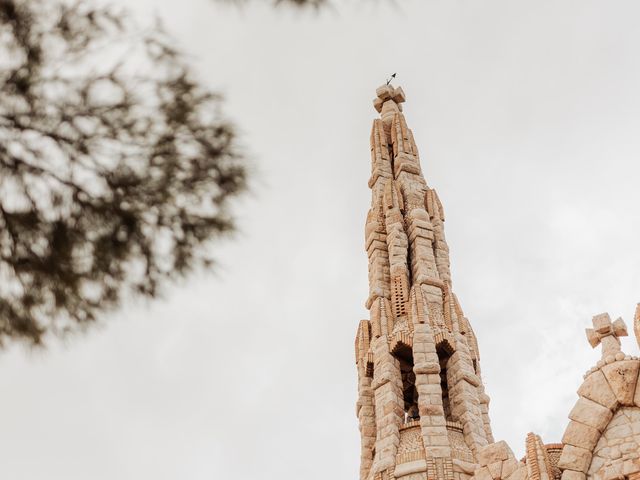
422	408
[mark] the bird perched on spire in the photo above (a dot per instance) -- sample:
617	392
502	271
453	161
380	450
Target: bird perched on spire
391	78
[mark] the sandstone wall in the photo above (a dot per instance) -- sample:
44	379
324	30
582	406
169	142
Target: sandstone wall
618	451
602	440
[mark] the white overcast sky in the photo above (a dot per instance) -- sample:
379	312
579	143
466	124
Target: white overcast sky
527	115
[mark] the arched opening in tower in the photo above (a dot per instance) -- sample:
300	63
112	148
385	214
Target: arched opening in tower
444	354
404	355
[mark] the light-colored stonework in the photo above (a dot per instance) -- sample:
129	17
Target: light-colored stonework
422	407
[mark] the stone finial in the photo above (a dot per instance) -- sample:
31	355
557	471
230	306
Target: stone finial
384	93
636	324
606	332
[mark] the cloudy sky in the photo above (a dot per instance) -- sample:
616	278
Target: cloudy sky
527	116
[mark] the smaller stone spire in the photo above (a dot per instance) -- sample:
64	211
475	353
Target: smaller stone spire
607	333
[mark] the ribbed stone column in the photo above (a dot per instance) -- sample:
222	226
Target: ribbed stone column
465	404
366	419
427	370
387	387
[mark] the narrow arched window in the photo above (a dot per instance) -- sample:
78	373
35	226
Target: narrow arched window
444	354
404	354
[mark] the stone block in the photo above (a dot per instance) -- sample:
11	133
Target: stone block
495	469
509	466
631	467
482	473
475	439
438	421
433	431
619	431
439	451
384	92
591	413
613	472
521	473
623	377
439	440
426	368
389	430
429	409
410	467
595	387
573	475
581	435
496	452
463	467
377	104
398	95
574	458
428	388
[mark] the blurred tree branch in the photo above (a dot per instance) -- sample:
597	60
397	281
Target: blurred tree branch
116	165
302	3
316	4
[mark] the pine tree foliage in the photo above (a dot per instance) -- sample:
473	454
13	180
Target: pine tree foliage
116	165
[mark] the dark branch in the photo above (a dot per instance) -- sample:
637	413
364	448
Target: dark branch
116	167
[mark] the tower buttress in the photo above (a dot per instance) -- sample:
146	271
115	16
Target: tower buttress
422	408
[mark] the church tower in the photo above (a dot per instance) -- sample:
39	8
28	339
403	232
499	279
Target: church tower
422	408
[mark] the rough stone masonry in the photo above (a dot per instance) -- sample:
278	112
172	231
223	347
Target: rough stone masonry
422	407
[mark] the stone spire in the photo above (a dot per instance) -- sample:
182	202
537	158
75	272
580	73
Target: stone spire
422	408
